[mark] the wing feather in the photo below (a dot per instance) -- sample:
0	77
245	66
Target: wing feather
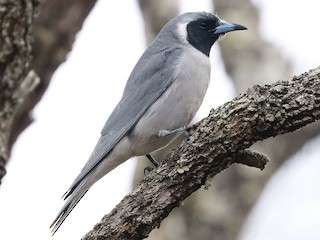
152	75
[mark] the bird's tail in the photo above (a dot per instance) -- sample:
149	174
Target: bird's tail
72	200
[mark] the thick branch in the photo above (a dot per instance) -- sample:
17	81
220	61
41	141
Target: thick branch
22	82
211	146
15	56
53	32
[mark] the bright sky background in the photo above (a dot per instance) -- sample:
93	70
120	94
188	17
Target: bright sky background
52	151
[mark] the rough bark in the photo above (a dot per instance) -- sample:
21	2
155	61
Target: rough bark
30	51
16	18
262	59
249	57
211	146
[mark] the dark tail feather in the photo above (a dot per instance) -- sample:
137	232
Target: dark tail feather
75	196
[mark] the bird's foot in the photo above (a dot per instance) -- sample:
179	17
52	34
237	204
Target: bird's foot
147	170
154	162
166	132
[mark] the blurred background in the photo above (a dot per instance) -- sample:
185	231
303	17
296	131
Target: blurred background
281	202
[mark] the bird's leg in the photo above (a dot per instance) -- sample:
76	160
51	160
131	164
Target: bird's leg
166	132
152	160
154	163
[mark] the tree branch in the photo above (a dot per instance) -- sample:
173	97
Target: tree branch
211	146
30	51
15	56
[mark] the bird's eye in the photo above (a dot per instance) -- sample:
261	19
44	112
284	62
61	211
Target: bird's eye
203	25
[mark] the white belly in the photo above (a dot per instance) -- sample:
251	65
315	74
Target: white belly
178	105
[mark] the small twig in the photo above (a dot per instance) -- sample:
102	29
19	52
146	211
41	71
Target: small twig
252	158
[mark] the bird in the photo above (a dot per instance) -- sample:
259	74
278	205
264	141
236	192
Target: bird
162	95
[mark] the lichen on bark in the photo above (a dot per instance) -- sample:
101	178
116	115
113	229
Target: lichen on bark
211	146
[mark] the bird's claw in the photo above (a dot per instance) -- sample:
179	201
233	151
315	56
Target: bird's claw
166	132
147	170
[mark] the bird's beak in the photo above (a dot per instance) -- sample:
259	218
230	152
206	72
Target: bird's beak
225	27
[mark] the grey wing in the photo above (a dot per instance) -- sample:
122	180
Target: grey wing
152	75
